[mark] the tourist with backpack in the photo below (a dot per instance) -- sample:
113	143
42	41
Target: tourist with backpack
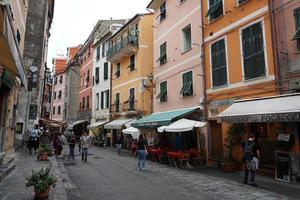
251	156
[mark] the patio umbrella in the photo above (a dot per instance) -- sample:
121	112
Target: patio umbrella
134	132
181	125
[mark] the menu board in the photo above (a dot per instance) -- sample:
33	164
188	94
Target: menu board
282	167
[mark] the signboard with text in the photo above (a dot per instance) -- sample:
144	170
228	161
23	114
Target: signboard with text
279	117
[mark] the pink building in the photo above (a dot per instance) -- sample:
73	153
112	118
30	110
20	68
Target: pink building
177	58
177	70
58	93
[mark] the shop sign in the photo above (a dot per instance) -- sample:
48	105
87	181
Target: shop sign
280	117
221	103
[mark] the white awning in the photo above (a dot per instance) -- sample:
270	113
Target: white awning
181	125
134	132
118	123
71	126
97	124
281	108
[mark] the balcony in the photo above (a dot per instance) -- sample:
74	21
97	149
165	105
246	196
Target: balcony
129	106
123	48
85	114
115	108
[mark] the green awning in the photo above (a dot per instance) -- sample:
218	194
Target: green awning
297	35
8	79
213	8
162	118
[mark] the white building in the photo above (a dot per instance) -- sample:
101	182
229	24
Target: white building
102	73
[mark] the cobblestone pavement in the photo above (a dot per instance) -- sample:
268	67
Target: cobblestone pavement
108	176
13	186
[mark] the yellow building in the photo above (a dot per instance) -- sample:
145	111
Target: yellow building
238	61
131	54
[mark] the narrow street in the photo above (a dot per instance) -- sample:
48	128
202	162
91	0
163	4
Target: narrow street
109	176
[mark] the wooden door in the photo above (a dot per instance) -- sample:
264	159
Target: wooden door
216	140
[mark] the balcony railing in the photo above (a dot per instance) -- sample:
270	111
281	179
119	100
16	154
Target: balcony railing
129	106
125	46
115	108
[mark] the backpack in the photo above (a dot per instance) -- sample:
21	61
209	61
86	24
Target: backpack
248	153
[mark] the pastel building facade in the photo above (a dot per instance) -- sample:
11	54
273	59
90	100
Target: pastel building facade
58	91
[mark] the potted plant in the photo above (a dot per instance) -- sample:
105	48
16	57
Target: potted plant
44	152
41	180
233	138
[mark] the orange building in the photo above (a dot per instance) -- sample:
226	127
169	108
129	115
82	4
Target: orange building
239	65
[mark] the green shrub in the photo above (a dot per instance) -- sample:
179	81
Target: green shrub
41	179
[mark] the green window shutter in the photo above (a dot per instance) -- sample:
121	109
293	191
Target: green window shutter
163	53
253	51
163	91
107	98
215	9
105	70
297	18
97	75
132	62
219	66
102	100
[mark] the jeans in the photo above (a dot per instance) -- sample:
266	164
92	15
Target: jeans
141	159
71	153
84	154
119	146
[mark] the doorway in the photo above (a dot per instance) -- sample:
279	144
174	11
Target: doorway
216	150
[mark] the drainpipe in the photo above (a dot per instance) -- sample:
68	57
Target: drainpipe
276	58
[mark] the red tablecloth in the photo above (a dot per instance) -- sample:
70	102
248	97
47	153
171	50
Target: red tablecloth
155	152
174	155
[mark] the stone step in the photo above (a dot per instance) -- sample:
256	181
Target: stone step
6	169
8	159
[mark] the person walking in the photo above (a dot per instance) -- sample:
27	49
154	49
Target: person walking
251	156
72	143
34	139
141	152
119	143
85	144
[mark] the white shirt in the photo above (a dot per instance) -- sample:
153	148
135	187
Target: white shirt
85	141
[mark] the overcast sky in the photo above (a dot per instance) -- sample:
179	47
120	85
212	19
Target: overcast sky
74	20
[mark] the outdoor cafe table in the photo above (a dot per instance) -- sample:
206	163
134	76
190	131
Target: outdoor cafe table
154	153
174	156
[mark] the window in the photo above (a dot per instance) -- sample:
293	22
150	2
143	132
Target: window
83	103
163	92
87	102
18	36
97	101
88	76
297	23
105	70
58	110
215	9
53	110
131	99
187	84
79	106
97	75
241	1
163	11
54	95
61	79
59	94
98	53
186	38
102	100
107	98
253	52
218	63
32	111
163	54
55	80
118	72
117	102
103	49
132	63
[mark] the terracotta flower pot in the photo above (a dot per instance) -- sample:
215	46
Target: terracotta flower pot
41	195
44	156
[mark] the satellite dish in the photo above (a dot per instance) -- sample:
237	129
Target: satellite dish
33	68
